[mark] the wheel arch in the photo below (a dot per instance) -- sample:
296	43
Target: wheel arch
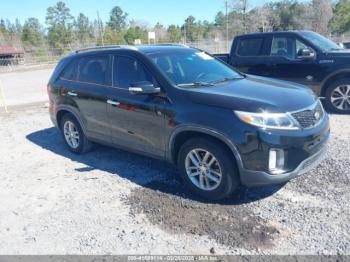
340	74
63	110
182	134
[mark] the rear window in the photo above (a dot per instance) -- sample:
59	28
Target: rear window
69	73
250	47
93	70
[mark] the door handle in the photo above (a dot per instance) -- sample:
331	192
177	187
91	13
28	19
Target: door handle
72	93
113	103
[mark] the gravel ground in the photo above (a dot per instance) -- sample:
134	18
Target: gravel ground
113	202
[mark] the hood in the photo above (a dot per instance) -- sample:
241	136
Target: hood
254	94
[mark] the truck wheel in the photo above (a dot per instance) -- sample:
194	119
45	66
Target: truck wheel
338	96
73	135
207	169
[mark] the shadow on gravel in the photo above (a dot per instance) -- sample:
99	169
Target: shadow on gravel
146	172
164	201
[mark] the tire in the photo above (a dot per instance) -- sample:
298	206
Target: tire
224	164
82	144
333	91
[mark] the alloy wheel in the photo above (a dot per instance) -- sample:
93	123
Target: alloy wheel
203	169
71	134
340	97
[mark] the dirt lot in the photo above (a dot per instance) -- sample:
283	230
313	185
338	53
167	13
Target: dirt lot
25	87
113	202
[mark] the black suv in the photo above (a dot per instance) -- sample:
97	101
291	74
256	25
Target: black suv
220	127
303	57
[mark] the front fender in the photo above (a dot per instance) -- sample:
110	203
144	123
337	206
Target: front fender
201	130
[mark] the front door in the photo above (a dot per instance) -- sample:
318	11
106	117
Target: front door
284	63
136	120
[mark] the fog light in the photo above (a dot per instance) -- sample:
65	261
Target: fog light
276	161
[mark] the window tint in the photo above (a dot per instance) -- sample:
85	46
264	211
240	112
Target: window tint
250	47
300	46
93	69
128	71
283	46
70	72
286	46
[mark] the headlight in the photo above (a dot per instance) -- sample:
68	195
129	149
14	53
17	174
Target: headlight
268	120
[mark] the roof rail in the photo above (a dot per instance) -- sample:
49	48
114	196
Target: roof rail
168	44
103	47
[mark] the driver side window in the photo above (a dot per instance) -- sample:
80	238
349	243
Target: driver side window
286	47
300	46
128	71
283	46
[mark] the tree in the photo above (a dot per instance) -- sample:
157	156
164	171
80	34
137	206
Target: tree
262	19
340	23
83	29
190	29
60	25
18	26
161	33
241	7
2	26
292	15
322	14
136	30
118	19
111	37
220	20
174	32
32	33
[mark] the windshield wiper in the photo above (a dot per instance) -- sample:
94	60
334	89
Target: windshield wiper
194	84
226	79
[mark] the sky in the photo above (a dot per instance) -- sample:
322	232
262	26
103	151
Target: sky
164	11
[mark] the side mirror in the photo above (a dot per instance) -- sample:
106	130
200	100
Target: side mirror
144	88
306	53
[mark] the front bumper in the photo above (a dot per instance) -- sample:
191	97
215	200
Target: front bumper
304	150
258	178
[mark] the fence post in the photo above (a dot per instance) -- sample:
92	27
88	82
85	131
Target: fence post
2	97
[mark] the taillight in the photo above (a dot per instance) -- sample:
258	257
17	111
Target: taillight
52	103
48	88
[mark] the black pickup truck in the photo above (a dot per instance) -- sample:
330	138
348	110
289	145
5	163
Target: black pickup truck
303	57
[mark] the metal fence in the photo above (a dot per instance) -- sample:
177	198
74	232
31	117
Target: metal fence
50	56
45	57
28	61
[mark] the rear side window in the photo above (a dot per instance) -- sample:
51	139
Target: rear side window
93	70
70	72
250	47
128	71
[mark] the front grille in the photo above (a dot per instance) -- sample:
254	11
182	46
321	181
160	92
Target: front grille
310	117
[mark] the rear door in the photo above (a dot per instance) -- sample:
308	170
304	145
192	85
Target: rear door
136	120
86	88
248	55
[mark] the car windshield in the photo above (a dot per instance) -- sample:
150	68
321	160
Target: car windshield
322	42
191	67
